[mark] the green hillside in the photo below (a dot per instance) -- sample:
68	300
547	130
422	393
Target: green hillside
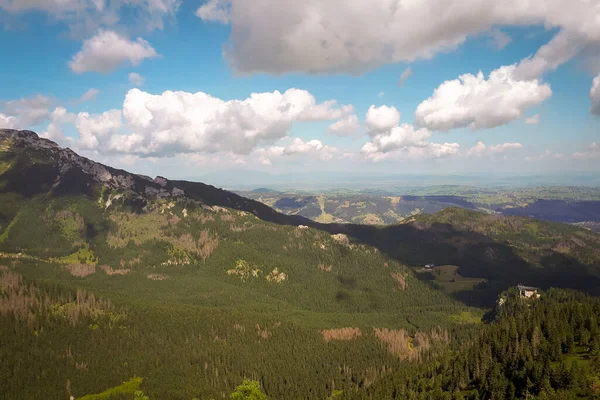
112	283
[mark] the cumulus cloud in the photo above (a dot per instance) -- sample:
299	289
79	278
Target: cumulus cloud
345	126
390	139
481	150
381	119
107	50
89	95
54	131
181	122
314	147
404	76
136	79
297	147
25	112
357	35
533	120
97	129
404	135
474	102
595	96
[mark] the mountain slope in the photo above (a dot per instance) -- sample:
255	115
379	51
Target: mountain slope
107	275
503	250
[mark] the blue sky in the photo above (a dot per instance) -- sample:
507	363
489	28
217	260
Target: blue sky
534	110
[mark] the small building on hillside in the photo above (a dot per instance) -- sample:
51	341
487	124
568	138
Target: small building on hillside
528	291
429	266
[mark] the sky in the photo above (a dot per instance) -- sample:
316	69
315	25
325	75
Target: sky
185	88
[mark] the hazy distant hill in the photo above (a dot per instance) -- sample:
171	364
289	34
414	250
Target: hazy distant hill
560	204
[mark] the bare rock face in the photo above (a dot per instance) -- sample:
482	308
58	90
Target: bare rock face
50	167
161	181
65	159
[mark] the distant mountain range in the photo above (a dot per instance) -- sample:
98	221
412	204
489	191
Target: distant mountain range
580	205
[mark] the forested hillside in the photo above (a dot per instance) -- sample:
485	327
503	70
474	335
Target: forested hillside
111	283
546	348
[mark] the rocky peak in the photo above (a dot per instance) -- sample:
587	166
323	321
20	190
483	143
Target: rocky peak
23	139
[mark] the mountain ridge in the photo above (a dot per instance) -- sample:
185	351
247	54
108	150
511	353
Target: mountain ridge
137	186
503	250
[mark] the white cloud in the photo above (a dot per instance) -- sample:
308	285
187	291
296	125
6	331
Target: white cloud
7	121
499	39
533	120
481	150
89	95
58	118
391	140
345	126
381	119
591	152
107	50
313	147
564	46
86	16
428	151
25	112
182	122
404	76
264	161
474	102
96	129
397	137
595	96
357	35
214	10
545	156
136	79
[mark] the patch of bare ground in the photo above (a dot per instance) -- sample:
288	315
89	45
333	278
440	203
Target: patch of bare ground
227	217
26	301
341	239
400	279
276	276
402	345
263	333
340	334
203	247
157	277
81	270
109	271
238	228
325	268
204	217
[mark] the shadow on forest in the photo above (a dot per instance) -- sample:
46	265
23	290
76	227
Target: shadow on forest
477	255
